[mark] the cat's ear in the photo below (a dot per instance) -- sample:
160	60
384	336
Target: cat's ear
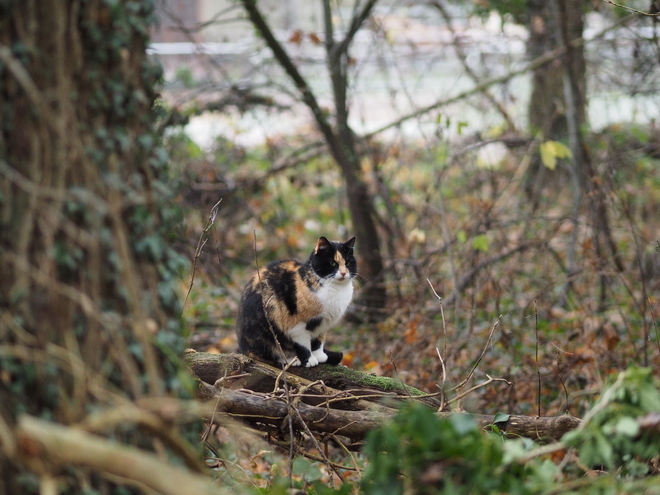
350	243
322	243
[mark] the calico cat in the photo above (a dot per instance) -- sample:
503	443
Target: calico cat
297	303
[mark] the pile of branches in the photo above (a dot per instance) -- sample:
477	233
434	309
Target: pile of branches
329	402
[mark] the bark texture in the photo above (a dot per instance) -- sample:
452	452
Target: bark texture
88	312
328	400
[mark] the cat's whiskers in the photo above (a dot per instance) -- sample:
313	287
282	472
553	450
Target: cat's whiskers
359	280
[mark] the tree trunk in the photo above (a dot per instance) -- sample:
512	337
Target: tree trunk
547	110
547	106
340	141
88	315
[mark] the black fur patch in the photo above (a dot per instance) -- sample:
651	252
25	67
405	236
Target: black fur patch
313	323
302	352
323	258
283	283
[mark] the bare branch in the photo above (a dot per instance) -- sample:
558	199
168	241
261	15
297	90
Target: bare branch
544	59
289	67
640	12
356	23
458	48
49	447
483	351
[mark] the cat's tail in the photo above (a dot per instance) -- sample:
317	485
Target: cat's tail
334	357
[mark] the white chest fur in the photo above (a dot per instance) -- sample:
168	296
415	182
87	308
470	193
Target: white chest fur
335	296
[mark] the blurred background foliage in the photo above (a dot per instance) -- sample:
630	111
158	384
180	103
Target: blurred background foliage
505	155
508	224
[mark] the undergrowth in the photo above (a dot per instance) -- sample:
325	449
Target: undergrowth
478	277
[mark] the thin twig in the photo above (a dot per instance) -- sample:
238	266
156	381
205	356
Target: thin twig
444	378
490	336
206	433
640	12
478	386
304	453
444	323
655	324
538	369
316	443
350	454
396	372
203	238
561	380
220	382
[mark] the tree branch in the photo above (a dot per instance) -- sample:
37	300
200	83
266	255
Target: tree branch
532	65
356	24
48	447
462	56
289	67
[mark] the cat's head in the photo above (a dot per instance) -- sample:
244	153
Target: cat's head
335	260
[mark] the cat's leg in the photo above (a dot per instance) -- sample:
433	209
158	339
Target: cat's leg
317	350
324	355
302	345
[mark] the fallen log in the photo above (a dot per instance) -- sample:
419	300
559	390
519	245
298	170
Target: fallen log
262	376
330	400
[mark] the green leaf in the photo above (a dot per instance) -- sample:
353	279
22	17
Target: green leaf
461	236
462	423
302	467
501	418
459	127
627	426
480	243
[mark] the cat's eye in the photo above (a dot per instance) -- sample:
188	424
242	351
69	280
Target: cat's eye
333	263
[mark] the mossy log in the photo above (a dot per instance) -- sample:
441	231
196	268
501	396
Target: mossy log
211	367
330	399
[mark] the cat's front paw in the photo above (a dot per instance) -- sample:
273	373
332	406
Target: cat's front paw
295	362
312	361
321	356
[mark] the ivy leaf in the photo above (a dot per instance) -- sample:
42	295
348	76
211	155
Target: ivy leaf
501	417
302	467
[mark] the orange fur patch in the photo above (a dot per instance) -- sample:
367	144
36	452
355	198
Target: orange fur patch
308	305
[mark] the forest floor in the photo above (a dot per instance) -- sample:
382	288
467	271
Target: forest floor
485	279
